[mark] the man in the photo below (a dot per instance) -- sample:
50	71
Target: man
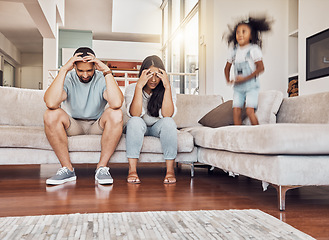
84	92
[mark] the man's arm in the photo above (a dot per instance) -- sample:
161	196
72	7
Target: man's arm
112	94
55	94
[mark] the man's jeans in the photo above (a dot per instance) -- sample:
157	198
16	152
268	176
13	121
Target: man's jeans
164	128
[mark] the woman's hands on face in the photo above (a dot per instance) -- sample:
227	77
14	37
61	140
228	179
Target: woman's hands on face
147	74
143	79
163	77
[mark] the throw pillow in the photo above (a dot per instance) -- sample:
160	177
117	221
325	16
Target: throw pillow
220	116
269	103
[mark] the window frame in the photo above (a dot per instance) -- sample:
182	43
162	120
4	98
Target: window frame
173	33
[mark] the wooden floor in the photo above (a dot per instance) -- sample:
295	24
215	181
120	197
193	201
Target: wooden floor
23	192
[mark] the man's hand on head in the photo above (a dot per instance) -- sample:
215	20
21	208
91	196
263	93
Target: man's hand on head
99	65
70	63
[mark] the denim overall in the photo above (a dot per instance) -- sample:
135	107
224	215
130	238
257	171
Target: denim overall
246	92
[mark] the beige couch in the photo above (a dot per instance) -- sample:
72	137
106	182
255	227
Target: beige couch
289	149
22	138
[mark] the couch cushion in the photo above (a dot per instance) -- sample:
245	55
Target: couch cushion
313	108
265	139
190	108
268	105
34	137
21	107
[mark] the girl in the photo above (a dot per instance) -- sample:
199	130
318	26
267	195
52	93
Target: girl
246	55
151	105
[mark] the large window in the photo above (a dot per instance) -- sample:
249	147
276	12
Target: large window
180	43
189	5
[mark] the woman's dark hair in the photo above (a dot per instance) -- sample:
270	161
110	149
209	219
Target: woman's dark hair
155	102
257	26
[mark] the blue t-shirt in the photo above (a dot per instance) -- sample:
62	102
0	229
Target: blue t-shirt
84	100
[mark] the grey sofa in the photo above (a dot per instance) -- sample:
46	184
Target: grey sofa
289	149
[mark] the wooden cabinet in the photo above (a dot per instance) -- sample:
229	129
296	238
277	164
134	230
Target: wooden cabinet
124	72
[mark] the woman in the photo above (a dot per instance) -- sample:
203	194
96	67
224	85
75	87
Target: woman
151	105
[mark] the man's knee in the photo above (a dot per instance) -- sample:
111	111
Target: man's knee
113	116
51	117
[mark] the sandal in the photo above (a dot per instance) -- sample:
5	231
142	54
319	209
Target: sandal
133	178
169	178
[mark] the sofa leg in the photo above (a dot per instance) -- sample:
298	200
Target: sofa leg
211	169
192	169
281	191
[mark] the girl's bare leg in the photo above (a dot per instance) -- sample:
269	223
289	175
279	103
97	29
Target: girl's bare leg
252	116
237	116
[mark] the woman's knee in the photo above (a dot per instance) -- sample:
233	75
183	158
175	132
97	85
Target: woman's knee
168	123
136	123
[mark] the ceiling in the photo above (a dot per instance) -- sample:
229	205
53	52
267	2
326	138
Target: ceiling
19	28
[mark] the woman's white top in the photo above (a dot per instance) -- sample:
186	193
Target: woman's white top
149	120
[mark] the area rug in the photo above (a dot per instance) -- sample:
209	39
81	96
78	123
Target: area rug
213	224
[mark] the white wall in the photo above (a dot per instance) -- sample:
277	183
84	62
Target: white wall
133	51
8	50
60	11
31	71
313	19
137	16
275	44
50	59
206	46
48	15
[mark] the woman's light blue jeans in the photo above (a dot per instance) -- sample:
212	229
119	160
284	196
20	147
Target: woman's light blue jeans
164	128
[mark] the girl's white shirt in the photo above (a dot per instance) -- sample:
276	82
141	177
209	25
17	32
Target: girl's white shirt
238	55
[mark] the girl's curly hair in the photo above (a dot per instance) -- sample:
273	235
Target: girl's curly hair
257	26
